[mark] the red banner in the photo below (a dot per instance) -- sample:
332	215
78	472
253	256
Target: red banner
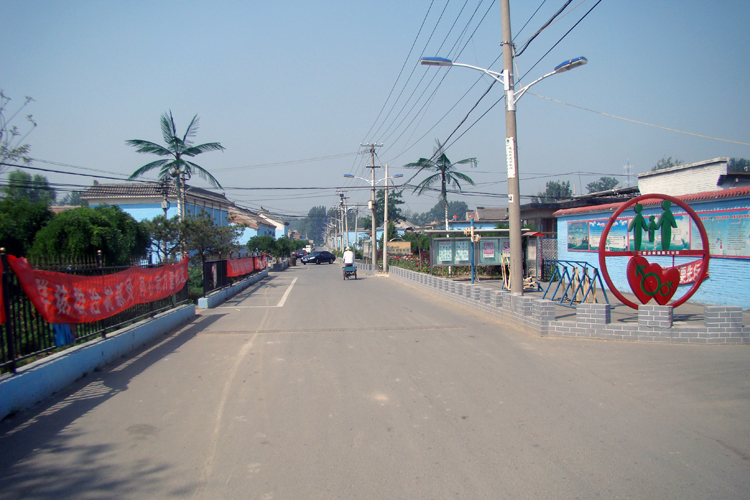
239	267
64	298
2	303
689	272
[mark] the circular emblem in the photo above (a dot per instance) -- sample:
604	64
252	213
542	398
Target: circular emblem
649	280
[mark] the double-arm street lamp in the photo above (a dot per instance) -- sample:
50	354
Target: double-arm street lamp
373	242
511	98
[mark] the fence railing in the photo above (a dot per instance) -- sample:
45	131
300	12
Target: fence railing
221	273
26	335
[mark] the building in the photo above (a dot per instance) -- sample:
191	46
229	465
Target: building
282	226
146	200
707	188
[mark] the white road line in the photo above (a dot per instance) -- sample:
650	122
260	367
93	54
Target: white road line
286	294
280	304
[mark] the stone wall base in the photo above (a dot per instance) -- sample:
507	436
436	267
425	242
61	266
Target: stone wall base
722	324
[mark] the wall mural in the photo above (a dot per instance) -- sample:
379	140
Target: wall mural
663	236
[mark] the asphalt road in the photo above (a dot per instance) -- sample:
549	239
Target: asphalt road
307	386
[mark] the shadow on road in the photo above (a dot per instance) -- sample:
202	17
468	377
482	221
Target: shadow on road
43	430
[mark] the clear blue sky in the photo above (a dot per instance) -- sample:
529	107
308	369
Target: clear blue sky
279	83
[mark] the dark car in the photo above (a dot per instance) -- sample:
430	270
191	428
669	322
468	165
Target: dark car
300	253
319	256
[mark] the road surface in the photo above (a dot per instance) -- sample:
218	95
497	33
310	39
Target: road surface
307	386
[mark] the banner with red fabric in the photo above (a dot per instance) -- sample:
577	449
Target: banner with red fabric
239	267
2	303
65	298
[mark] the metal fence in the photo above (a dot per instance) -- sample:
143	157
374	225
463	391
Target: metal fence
215	274
26	336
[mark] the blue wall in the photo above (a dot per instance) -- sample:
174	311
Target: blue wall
727	284
147	211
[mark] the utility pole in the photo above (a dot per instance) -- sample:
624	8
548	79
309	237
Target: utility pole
346	218
385	224
373	238
511	151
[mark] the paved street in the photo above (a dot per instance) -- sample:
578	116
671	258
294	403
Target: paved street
306	386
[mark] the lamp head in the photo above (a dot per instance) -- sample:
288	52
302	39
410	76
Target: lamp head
435	61
350	176
398	175
570	64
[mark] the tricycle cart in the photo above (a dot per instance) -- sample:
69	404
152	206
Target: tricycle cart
350	271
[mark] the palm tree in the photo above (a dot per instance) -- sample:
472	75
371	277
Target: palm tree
445	172
176	149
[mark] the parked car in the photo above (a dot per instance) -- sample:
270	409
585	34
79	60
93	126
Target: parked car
319	256
300	253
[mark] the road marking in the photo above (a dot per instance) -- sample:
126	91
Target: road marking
280	304
286	294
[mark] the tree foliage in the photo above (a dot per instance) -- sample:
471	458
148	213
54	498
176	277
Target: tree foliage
312	226
738	165
73	199
603	184
176	151
666	162
443	172
12	149
20	220
81	231
263	244
23	185
556	190
202	235
165	236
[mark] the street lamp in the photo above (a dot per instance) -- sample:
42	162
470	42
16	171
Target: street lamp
385	218
511	98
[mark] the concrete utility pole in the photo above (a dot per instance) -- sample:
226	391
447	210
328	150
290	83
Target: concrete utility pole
511	151
385	224
373	238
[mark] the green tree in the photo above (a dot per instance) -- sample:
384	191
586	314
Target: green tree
20	220
176	151
666	163
23	185
603	184
263	244
284	246
739	165
73	199
204	236
12	149
444	172
165	236
556	190
81	231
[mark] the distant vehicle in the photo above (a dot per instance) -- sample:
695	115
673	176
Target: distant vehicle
300	253
309	248
319	256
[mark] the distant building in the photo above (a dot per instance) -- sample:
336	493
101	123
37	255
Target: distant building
255	225
146	200
282	226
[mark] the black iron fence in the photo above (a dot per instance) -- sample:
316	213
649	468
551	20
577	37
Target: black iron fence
26	336
215	274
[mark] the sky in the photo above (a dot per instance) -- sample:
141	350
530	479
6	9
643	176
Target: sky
292	89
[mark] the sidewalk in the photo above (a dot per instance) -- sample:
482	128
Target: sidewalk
690	313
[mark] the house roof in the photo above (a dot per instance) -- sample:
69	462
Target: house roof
146	190
248	217
489	214
687	198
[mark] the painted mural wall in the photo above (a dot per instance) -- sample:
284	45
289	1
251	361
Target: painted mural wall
727	223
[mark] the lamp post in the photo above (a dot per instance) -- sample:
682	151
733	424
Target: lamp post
385	219
373	240
511	151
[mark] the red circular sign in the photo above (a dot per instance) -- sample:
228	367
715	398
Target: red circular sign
703	253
